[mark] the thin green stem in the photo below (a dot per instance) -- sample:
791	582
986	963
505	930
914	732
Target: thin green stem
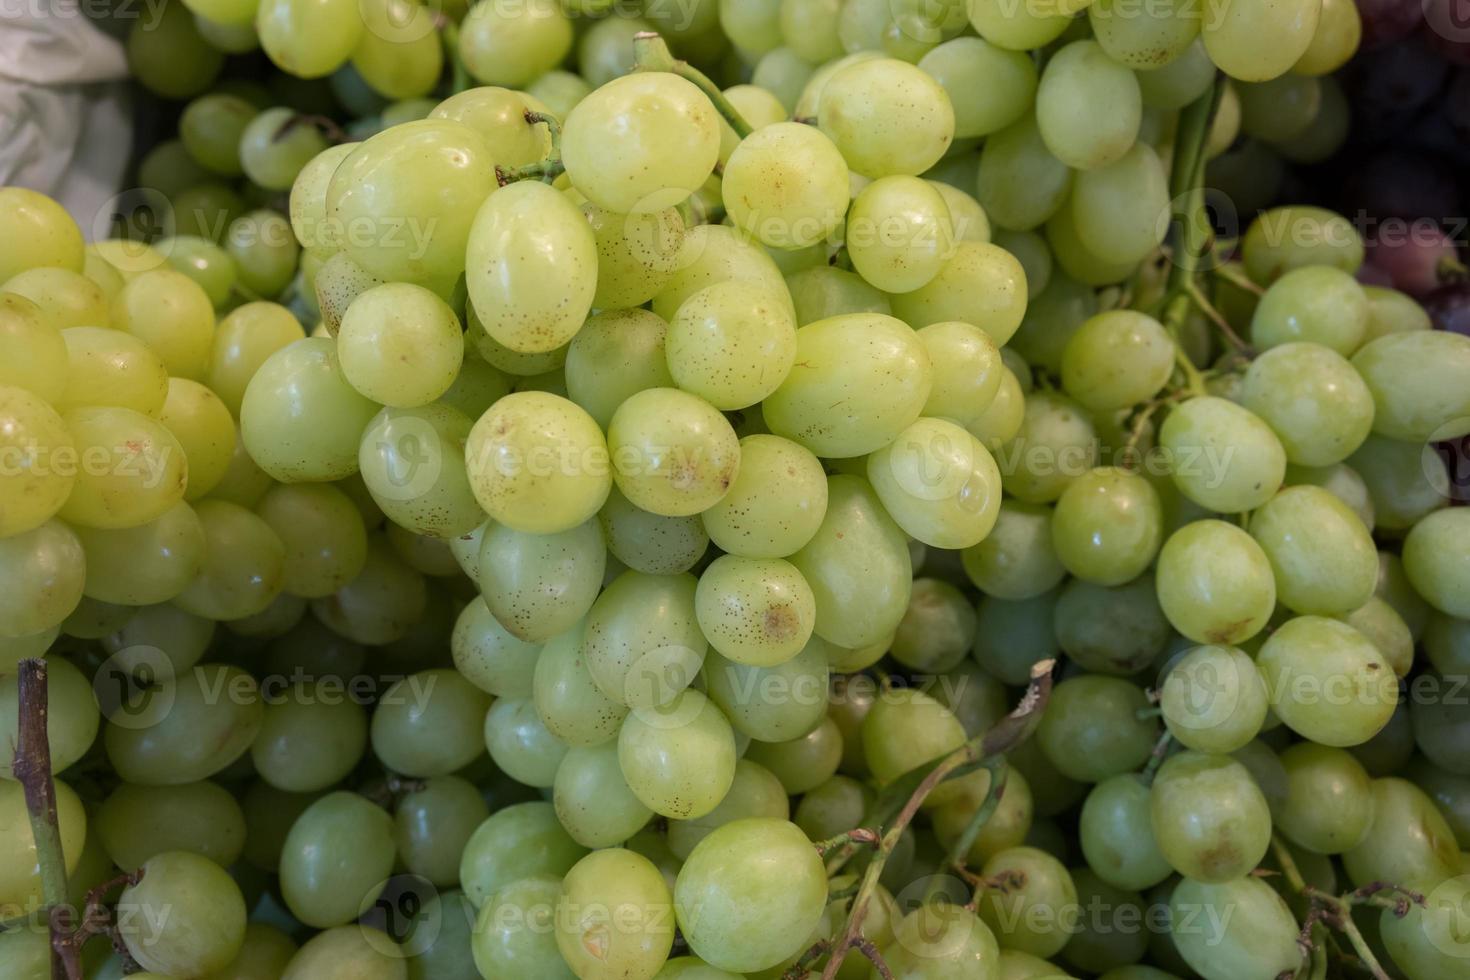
546	170
1236	278
1157	756
853	837
1202	302
651	53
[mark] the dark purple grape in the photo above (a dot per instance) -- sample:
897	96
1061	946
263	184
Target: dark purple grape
1399	78
1385	21
1416	254
1449	307
1404	184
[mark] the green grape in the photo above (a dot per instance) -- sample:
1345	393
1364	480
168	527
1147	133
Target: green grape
137	823
126	257
201	423
1144	39
1173	85
1056	444
516	842
147	564
1020	183
887	117
1329	803
1292	237
114	369
637	254
1052	319
755	611
967	217
906	729
311	738
71	720
605	51
1258	940
1214	699
1012	636
786	185
616	354
1107	526
1091	729
567	698
593	800
429	724
1209	817
354	952
93	619
400	55
989	87
1390	311
326	541
939	939
264	250
179	637
939	483
612	917
33	353
1408	841
1312	398
1034	916
264	955
380	604
512	46
406	199
171	313
203	211
731	344
1088	107
1426	941
692	967
66	298
1447	643
499	115
244	340
1416	380
1106	937
1335	40
520	744
1322	556
1327	681
1435	560
336	859
711	254
1111	630
489	656
936	630
825	291
810	28
1222	457
209	265
309	40
1281	109
319	235
38	232
38	459
231	39
899	233
514	935
185	916
1019	28
859	380
186	729
776	703
1116	834
531	253
980	284
754	27
300	419
539	585
781	880
168	168
1255	42
1007	826
758	107
1382	624
967	370
14	649
782	72
650	543
1075	258
413	463
679	758
169	57
20	879
133	469
1317	304
1120	210
538	463
1017	560
641	143
673	454
244	566
1034	254
210	128
1402	489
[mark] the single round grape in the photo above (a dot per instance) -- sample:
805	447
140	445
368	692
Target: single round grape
1117	630
133	471
938	938
936	630
412	461
1316	304
939	483
1313	399
33	354
1033	916
1255	42
1013	636
1436	561
786	185
309	39
381	604
1322	556
1403	489
1020	184
711	254
1056	444
326	541
967	370
113	369
679	758
1291	237
400	345
1017	560
1120	210
1417	382
887	117
514	934
540	585
400	55
499	115
1019	28
731	344
613	916
1107	526
1092	730
516	842
1117	359
429	724
1222	456
1408	842
137	823
489	656
825	291
899	233
859	380
801	764
672	452
37	459
173	315
1343	482
1329	803
772	704
194	912
905	729
616	354
1088	107
593	800
538	463
244	564
1116	834
244	339
512	46
144	565
756	611
1079	262
355	952
38	232
1327	681
567	698
520	744
66	298
651	543
45	575
1209	817
980	283
187	729
201	423
336	859
1143	39
311	738
1214	700
1259	939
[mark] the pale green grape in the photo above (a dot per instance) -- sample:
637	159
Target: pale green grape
939	483
499	115
643	643
355	952
980	284
111	368
967	217
133	469
940	939
531	258
206	263
71	717
1055	444
906	729
164	637
1259	940
1179	82
539	585
641	143
146	564
1011	636
1327	681
515	933
1222	456
516	842
1008	825
887	117
651	543
336	859
826	291
605	51
593	800
616	354
185	916
637	254
1329	802
169	57
1019	27
989	87
783	72
38	462
613	917
1092	730
14	649
859	380
1408	840
1017	560
1209	817
1335	40
967	370
512	46
1107	526
1255	41
138	823
311	738
173	315
318	235
66	298
265	954
754	26
1390	311
711	254
758	107
413	463
380	604
1117	359
759	917
1291	237
1314	400
1052	318
400	55
1034	254
775	703
489	656
244	339
899	233
325	538
1088	107
1077	260
202	424
1215	583
185	729
244	566
38	232
1032	916
429	724
678	758
1214	700
1116	834
1417	382
127	257
538	463
33	354
1121	210
264	251
775	505
1402	489
810	28
1381	623
309	39
801	764
520	744
1146	38
731	344
1437	563
755	611
786	185
673	454
1322	555
406	199
567	697
936	630
1020	183
1318	304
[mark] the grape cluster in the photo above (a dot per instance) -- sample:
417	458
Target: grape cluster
864	521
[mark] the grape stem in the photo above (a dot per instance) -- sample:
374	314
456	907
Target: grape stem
1157	756
547	170
862	835
651	53
1192	235
983	749
959	852
1203	304
1236	278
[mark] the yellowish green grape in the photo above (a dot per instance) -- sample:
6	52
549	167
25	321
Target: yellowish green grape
244	564
899	233
20	879
1055	444
939	483
711	254
989	87
1107	526
336	859
1020	183
905	729
499	115
1222	456
400	55
318	235
512	46
967	370
310	739
1294	236
173	315
1401	488
1318	304
429	724
1256	41
133	469
202	424
1260	939
71	717
637	254
1417	382
775	505
786	185
325	538
1215	583
400	345
1437	563
184	916
672	452
1209	817
887	117
1088	107
566	695
109	367
38	461
1327	681
756	792
38	233
66	298
613	917
980	284
413	463
539	585
309	39
186	728
678	758
1017	560
33	354
1329	802
147	564
1121	210
756	611
244	339
593	800
1214	700
643	643
731	344
355	952
137	823
651	543
1313	399
825	291
1322	555
773	704
515	933
616	354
